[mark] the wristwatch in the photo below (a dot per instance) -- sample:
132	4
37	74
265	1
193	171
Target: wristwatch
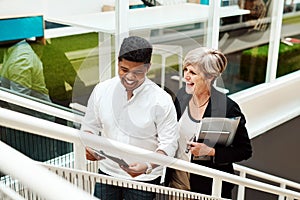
149	168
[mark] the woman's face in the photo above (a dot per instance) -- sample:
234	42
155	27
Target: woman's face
196	82
132	74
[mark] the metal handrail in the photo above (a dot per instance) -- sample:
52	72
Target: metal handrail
7	193
246	99
243	98
244	171
265	176
24	122
39	105
86	180
33	176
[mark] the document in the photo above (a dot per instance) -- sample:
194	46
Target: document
113	158
215	130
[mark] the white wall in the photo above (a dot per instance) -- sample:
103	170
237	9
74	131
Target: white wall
72	7
48	7
20	7
270	104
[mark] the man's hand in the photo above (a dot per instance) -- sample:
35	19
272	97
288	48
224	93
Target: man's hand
90	154
135	169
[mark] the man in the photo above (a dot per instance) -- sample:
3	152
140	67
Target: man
131	109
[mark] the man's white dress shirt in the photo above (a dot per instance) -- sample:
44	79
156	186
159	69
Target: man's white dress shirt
147	120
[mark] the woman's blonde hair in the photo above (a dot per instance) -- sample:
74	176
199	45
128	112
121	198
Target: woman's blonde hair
209	61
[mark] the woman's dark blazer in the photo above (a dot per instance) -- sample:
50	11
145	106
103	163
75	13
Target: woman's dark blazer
219	106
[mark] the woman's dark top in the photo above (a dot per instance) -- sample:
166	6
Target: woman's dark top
219	106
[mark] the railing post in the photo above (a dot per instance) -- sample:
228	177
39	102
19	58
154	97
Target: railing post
79	156
8	193
274	42
213	24
217	187
241	188
289	198
281	197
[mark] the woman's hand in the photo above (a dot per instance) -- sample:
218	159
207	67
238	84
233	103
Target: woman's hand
201	149
135	169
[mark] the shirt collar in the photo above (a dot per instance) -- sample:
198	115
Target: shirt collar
138	89
141	87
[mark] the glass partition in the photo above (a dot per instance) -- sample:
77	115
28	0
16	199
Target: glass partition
289	51
47	72
241	38
71	67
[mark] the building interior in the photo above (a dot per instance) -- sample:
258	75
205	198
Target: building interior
77	43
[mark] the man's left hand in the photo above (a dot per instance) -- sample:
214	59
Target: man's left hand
135	169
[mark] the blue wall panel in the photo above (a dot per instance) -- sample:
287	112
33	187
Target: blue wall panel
21	28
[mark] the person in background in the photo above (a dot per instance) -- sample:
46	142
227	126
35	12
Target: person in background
132	109
22	72
199	99
58	71
60	76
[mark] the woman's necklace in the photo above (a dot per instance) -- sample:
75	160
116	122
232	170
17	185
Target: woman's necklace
201	104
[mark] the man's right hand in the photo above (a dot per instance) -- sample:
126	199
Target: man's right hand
90	154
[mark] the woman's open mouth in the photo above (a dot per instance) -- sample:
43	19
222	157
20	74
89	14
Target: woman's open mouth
190	84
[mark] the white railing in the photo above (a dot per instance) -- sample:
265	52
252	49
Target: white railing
45	108
244	171
7	193
259	119
265	106
86	181
34	125
36	178
8	96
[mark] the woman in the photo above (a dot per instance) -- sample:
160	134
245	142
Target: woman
199	99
